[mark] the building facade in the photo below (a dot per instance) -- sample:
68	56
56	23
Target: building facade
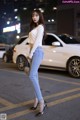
68	19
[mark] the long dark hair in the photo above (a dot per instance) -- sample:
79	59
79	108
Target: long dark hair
41	21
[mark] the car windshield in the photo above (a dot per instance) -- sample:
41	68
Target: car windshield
21	40
68	39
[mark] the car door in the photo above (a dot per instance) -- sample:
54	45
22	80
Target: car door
53	55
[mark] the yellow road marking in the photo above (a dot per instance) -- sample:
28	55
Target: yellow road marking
64	100
31	101
16	105
62	93
74	83
47	97
24	112
5	102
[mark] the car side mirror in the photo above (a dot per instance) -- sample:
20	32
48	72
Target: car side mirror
56	44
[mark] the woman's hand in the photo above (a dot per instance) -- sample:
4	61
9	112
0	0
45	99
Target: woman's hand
29	59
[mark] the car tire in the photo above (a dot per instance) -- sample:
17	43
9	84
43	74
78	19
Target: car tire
22	62
5	58
73	67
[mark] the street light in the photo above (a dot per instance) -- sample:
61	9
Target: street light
8	22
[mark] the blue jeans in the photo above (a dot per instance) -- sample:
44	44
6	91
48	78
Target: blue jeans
33	73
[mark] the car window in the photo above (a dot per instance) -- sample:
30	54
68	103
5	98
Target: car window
49	39
68	39
21	40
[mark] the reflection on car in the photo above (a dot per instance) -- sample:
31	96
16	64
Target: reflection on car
61	52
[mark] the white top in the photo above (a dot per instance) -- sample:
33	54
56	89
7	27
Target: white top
35	38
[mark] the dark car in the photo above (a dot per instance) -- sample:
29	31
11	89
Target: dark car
7	56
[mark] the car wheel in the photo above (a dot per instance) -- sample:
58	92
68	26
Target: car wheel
5	59
22	62
73	67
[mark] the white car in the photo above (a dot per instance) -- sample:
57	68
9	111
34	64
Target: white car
60	52
2	51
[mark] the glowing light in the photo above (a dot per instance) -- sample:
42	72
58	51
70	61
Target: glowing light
24	8
54	8
49	21
8	22
52	20
41	10
16	17
9	29
13	28
17	36
15	10
17	27
4	13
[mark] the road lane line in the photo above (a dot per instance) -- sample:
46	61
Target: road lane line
5	102
49	78
31	101
58	80
62	93
16	105
12	71
53	103
63	100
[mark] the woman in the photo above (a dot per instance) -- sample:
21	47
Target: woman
36	55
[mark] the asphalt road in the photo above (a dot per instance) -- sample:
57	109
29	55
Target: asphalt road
60	91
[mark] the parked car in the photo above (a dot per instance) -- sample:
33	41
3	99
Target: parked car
8	55
60	52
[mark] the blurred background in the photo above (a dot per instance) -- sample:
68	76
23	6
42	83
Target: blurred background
61	17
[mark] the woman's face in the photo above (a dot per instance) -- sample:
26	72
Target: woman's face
35	17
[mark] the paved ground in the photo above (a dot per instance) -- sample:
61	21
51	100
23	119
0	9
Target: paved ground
61	92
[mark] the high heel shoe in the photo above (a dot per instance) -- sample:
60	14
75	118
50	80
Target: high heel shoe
36	103
41	112
34	108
